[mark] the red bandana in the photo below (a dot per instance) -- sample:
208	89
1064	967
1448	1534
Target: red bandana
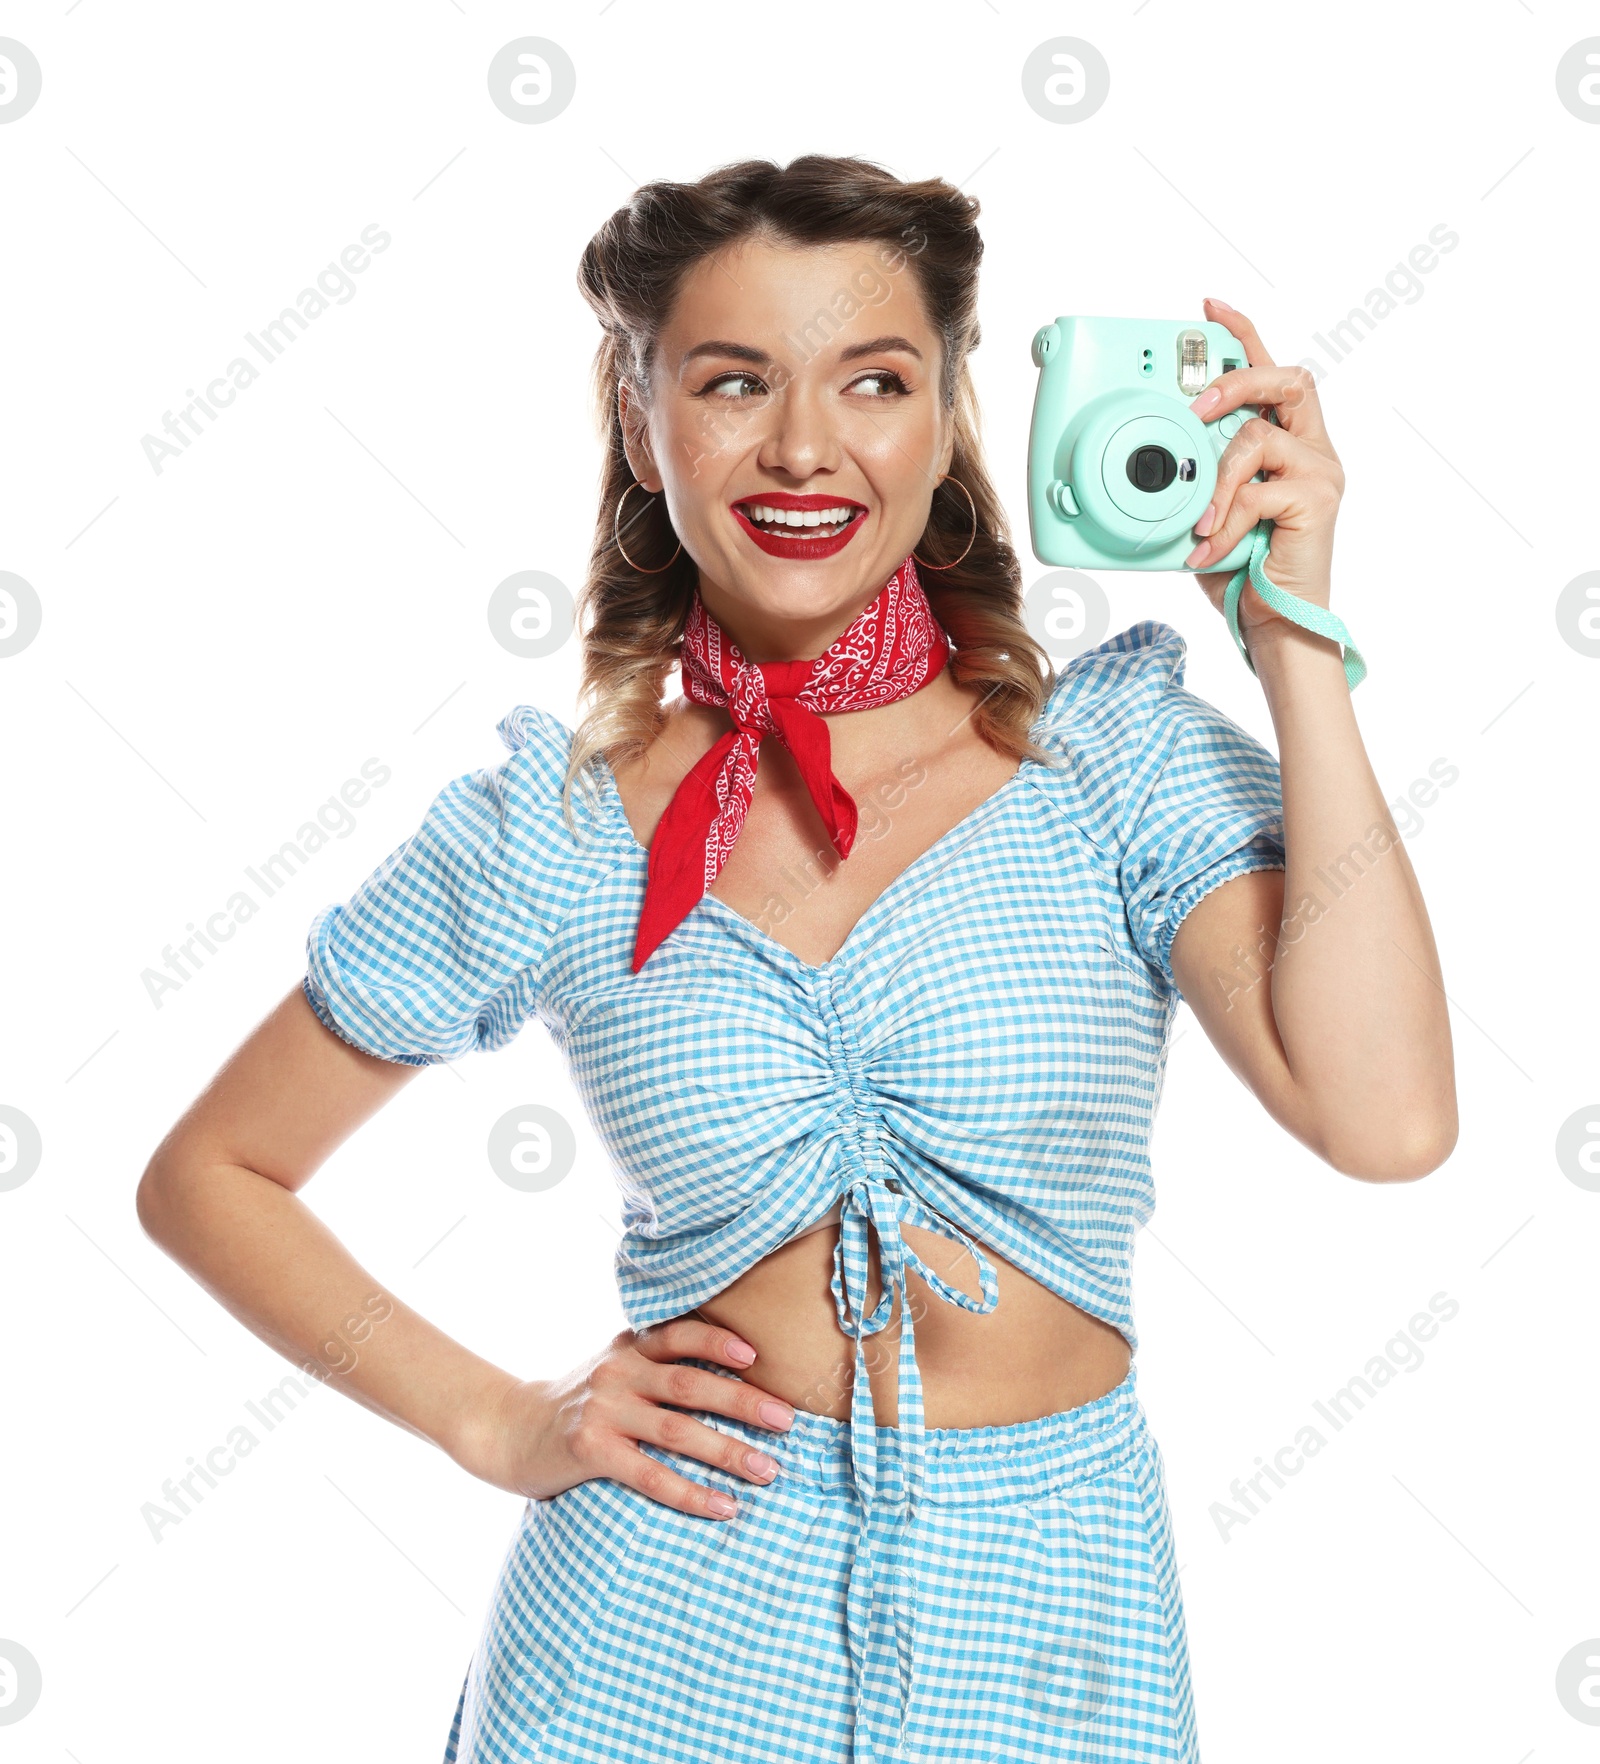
894	646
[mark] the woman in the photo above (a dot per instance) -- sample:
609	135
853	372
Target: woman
875	1045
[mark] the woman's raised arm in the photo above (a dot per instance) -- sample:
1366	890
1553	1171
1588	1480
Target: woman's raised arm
1348	1042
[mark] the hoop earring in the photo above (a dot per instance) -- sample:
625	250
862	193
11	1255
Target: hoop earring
617	537
974	507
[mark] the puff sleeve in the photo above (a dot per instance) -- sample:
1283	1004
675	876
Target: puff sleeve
1203	803
438	953
1172	794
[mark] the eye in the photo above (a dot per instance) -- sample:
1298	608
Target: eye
888	377
723	380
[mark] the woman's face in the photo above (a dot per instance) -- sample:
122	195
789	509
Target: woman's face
801	373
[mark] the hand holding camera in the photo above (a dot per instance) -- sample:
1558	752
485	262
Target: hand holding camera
1163	445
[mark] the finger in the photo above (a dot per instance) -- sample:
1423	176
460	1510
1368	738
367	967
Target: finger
1278	500
1261	446
693	1387
624	1462
688	1437
1290	391
689	1338
1255	351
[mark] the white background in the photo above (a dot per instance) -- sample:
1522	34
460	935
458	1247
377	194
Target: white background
225	642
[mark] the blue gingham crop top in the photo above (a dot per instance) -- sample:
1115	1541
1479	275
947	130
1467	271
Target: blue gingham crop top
983	1056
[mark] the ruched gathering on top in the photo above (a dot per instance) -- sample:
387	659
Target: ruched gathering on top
983	1056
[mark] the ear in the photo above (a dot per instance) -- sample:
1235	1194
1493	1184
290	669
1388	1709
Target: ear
636	437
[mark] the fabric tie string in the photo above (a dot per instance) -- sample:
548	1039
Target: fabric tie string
883	1554
893	647
1294	607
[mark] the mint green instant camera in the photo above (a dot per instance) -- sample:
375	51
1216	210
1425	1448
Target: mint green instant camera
1119	467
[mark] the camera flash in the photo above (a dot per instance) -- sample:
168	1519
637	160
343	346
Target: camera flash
1193	357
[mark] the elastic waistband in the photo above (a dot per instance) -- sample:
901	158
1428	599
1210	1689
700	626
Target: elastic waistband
985	1465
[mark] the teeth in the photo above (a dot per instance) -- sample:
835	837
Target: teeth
796	517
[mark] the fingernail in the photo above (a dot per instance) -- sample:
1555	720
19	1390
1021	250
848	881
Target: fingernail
722	1506
760	1464
776	1414
1203	525
1198	554
1213	395
741	1351
1222	303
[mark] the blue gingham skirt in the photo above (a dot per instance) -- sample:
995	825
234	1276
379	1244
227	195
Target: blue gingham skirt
1029	1610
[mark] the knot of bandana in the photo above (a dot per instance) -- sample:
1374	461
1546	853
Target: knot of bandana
893	647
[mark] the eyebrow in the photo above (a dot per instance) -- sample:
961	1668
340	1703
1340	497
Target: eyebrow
760	358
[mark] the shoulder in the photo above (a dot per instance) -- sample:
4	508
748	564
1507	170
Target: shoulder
513	827
1099	719
1121	726
1128	696
539	742
1117	684
539	746
535	813
440	950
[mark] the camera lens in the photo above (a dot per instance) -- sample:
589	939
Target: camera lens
1151	468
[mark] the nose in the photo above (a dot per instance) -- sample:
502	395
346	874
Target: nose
800	439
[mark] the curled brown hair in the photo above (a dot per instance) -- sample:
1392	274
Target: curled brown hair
630	274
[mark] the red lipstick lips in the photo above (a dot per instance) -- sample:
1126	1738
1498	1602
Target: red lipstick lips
799	542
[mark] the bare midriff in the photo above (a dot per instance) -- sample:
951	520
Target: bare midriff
1036	1352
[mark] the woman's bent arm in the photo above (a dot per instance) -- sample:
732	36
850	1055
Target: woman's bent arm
219	1196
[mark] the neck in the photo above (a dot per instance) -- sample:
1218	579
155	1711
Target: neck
865	742
785	649
766	634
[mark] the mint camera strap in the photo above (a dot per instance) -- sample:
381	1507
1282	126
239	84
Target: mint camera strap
1291	606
